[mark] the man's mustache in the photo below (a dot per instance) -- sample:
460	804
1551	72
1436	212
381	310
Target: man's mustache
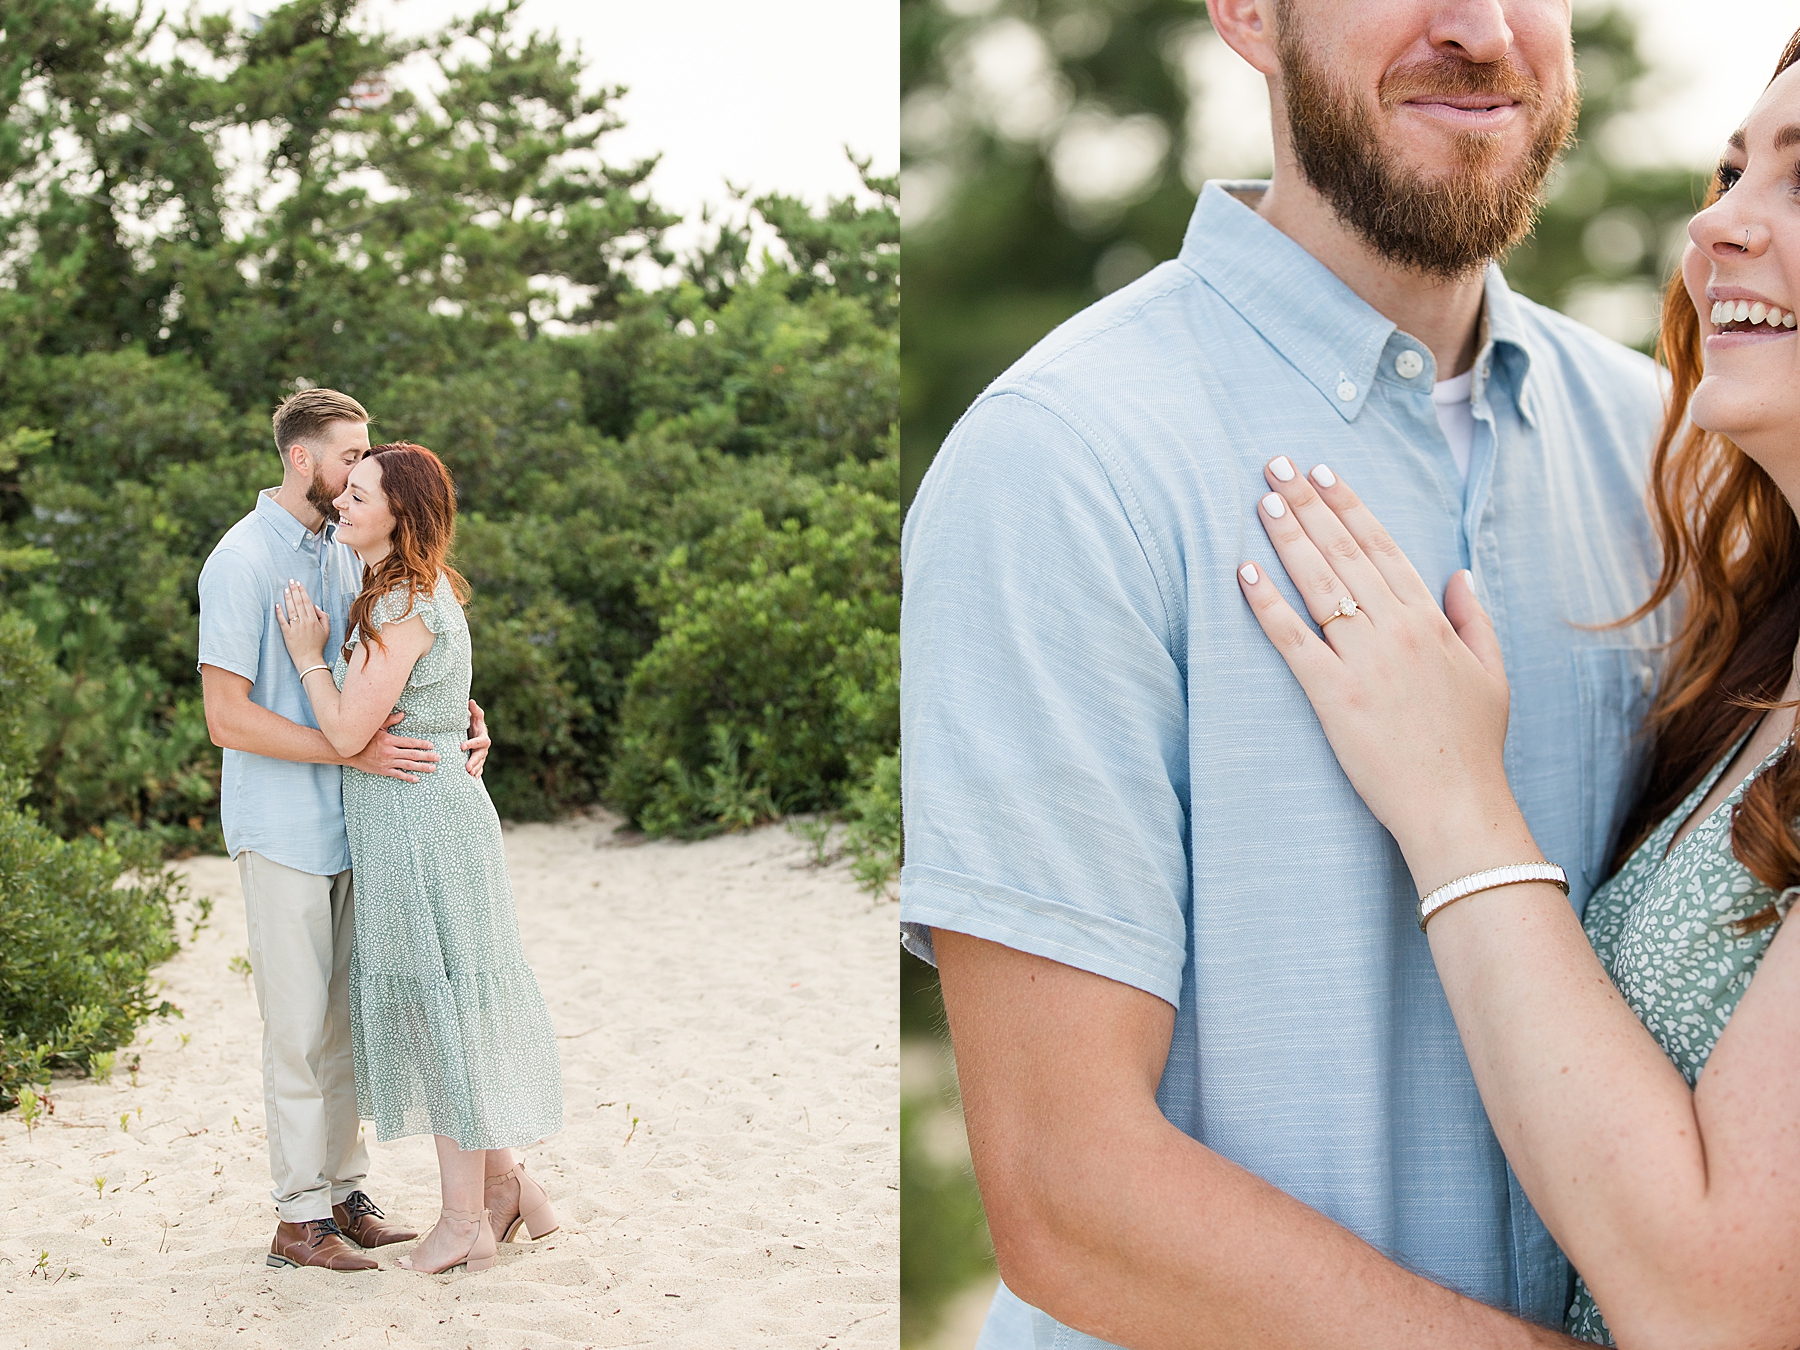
1445	75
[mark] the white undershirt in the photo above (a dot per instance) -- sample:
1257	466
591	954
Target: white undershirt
1450	400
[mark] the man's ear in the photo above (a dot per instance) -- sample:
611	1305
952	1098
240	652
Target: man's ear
301	458
1248	28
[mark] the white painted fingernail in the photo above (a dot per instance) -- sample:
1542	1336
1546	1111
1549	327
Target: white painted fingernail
1282	468
1249	574
1323	476
1274	505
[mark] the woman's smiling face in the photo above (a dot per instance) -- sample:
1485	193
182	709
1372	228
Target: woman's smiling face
365	522
1743	275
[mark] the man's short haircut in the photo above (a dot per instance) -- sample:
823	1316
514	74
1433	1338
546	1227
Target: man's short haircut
304	415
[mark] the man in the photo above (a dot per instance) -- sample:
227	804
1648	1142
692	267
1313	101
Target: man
1214	1094
283	811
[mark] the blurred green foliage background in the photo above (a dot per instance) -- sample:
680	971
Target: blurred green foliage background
677	473
1051	152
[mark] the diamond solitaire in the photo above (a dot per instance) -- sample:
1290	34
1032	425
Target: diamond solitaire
1345	609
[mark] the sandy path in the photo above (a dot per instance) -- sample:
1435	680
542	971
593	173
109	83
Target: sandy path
739	1005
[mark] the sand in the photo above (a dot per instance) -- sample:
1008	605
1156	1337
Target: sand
727	1174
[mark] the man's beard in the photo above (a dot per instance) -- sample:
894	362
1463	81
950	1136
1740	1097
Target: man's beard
321	498
1447	227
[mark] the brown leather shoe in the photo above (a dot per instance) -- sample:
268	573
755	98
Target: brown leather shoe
363	1223
317	1243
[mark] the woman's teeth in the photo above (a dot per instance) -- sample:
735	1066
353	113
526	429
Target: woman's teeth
1730	314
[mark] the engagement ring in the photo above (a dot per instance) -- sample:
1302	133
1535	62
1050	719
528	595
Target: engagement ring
1345	608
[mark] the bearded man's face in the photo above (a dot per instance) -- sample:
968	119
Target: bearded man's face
321	497
1437	161
334	451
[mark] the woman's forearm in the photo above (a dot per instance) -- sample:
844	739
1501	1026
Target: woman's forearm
327	705
1599	1125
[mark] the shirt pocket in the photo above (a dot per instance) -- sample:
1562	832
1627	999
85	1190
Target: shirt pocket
1616	685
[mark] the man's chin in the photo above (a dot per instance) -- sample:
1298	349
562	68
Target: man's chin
1434	154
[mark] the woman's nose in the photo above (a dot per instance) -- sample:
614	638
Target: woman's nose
1723	233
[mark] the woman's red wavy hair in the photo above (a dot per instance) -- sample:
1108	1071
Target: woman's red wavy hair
1731	549
422	497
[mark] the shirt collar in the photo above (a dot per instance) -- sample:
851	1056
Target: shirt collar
1324	329
279	519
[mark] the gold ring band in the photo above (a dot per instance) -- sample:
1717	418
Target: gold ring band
1346	608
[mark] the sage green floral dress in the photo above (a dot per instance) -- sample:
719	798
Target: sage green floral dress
1664	930
449	1030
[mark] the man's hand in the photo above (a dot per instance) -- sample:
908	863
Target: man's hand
393	756
479	740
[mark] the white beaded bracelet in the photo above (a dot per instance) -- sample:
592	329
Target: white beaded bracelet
1463	887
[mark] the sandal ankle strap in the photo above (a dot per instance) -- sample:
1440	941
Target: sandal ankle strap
465	1215
517	1169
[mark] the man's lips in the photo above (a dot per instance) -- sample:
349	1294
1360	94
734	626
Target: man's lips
1465	112
1466	101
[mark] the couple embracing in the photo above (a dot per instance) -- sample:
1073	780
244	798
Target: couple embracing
1355	837
335	661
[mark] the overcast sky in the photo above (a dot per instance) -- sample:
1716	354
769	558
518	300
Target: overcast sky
765	93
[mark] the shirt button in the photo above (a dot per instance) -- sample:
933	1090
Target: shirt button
1647	680
1346	391
1408	364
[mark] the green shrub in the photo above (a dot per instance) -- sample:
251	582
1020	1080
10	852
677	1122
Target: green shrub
76	947
25	673
873	837
119	745
776	671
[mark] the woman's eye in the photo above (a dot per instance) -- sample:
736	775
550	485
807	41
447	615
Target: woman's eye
1727	176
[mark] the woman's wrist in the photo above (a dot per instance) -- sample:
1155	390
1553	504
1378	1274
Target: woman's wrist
1464	838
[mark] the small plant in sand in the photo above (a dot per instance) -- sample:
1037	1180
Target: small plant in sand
817	834
874	837
30	1109
100	1065
99	1186
124	1121
240	965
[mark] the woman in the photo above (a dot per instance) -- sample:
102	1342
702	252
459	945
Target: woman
1675	1192
449	1029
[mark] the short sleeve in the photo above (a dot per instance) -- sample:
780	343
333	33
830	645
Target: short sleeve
234	614
1043	712
402	603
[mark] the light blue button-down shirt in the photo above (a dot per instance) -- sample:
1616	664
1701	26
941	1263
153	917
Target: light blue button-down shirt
290	813
1106	763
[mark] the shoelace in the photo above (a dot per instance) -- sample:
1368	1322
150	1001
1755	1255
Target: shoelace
322	1229
356	1204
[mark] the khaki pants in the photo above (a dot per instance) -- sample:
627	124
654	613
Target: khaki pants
300	930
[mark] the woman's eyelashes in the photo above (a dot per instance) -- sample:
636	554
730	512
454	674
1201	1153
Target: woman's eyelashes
1726	177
